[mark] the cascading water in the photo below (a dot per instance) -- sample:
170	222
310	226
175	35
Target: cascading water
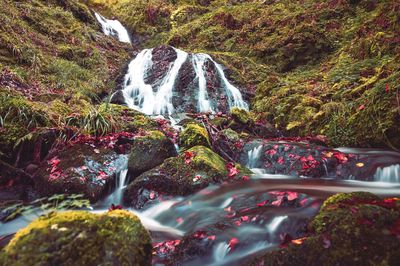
388	174
199	60
113	28
121	181
254	156
157	98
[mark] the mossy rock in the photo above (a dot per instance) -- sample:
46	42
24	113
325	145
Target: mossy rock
81	238
150	151
193	135
177	176
231	135
241	116
351	229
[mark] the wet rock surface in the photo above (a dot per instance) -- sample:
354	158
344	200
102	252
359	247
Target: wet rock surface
80	169
150	151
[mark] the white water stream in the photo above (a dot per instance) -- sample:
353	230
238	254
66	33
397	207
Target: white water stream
113	28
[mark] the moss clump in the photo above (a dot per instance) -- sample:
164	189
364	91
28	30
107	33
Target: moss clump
150	151
241	116
194	135
81	238
350	229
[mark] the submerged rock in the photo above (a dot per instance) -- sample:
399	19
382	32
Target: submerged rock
80	169
150	151
194	135
81	238
179	176
351	229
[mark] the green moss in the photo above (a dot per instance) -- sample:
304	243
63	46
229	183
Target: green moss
81	238
241	116
193	135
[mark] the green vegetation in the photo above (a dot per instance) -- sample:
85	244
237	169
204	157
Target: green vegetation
55	64
81	238
316	68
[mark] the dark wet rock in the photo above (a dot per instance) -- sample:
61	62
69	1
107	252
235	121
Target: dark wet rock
179	176
118	98
80	169
150	151
295	159
81	238
351	229
193	135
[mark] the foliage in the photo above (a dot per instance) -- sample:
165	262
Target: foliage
45	205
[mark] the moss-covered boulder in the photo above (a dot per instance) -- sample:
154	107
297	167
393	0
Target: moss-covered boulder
241	115
81	238
193	135
79	169
351	229
179	176
150	151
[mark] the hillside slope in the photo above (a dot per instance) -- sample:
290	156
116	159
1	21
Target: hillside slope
329	68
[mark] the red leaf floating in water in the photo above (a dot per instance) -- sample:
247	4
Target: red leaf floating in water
232	243
152	195
179	220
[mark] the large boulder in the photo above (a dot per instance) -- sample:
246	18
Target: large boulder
79	169
179	176
351	229
150	151
81	238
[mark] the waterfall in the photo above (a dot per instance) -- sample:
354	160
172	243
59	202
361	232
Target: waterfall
234	95
388	174
140	96
199	65
113	28
120	183
156	98
253	156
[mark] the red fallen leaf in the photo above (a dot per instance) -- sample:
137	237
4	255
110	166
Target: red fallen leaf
303	202
179	220
280	160
233	172
196	178
200	234
152	195
244	218
245	178
212	238
361	107
299	241
188	156
232	243
83	167
387	88
262	203
102	175
292	195
115	207
271	152
238	223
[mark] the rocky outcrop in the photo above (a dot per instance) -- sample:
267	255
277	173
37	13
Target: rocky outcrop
81	238
80	169
179	176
